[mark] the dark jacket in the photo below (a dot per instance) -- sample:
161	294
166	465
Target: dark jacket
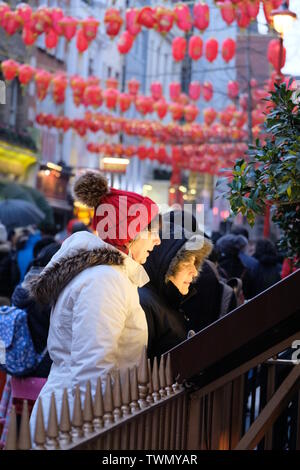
161	300
268	271
9	271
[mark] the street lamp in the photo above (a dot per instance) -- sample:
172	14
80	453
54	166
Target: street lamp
283	19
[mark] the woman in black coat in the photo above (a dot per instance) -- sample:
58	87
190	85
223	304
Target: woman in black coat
171	267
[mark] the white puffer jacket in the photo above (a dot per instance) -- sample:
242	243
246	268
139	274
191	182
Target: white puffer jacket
97	323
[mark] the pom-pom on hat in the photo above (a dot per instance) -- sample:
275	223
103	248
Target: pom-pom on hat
119	215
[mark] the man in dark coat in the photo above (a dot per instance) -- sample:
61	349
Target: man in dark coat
171	269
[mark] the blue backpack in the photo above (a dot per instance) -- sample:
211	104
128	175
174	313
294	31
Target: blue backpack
17	353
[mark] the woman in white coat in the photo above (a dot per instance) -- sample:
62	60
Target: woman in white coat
97	324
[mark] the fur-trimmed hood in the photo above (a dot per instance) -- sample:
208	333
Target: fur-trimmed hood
80	251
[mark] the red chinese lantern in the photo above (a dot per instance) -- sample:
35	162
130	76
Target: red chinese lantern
26	73
57	15
125	42
211	49
11	22
112	83
78	86
68	27
41	20
178	48
51	39
161	108
90	27
142	152
195	47
258	117
240	118
243	18
183	17
253	8
207	91
228	49
156	90
93	96
201	16
111	97
133	86
209	115
80	126
274	53
9	69
24	11
194	91
42	81
164	19
124	101
146	17
113	22
59	85
66	123
81	41
144	104
191	112
132	25
225	117
177	110
174	90
232	89
228	12
28	36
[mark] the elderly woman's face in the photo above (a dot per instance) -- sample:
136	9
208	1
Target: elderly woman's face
184	275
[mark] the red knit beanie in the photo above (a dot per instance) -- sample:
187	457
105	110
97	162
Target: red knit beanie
119	215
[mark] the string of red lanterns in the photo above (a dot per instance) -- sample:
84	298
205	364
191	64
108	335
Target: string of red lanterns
53	23
196	45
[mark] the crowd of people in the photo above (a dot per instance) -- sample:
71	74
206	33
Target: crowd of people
93	302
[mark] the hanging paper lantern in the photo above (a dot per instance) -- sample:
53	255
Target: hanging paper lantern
133	86
3	9
243	19
194	91
57	15
78	85
258	117
253	8
51	39
144	104
68	27
207	91
112	83
161	108
174	90
164	19
240	118
177	110
24	11
209	115
146	17
124	101
41	20
9	69
90	27
178	48
81	41
93	96
28	36
201	16
232	89
66	123
11	22
42	81
228	49
156	90
253	83
132	25
211	49
190	112
113	22
125	42
183	17
228	12
225	117
195	47
183	99
273	54
59	85
110	96
142	152
26	73
243	101
80	126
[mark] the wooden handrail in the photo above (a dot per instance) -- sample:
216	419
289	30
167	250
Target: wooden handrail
250	329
